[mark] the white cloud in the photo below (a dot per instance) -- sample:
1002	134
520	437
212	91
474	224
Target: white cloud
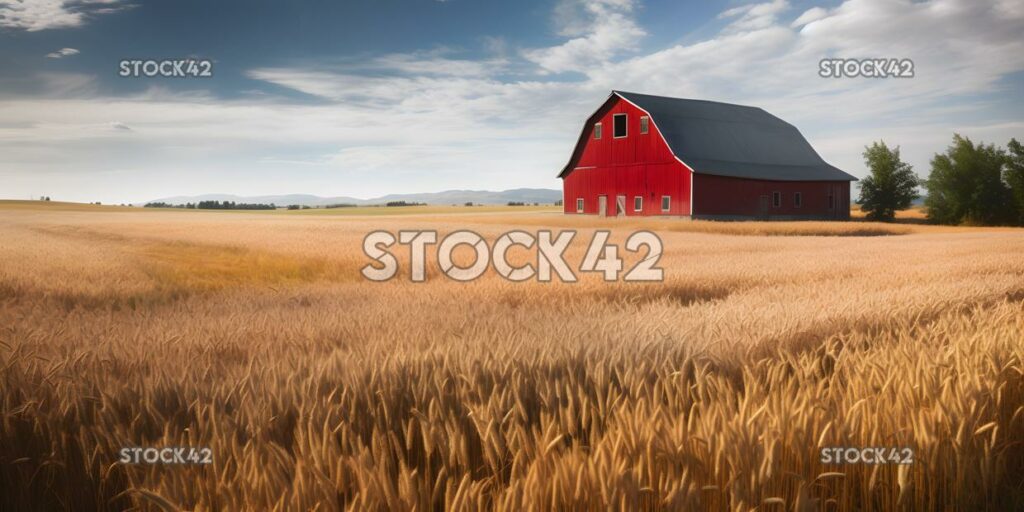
1013	9
604	30
435	63
64	85
63	52
755	16
36	15
812	14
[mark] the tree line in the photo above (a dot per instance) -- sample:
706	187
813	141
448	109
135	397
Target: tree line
969	184
213	205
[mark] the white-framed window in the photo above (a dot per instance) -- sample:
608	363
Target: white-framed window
644	122
619	126
798	199
666	203
597	131
579	205
776	199
638	204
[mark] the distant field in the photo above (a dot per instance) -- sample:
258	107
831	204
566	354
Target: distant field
552	216
253	334
917	213
353	210
14	204
422	210
914	216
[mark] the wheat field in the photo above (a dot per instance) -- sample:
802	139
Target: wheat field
255	335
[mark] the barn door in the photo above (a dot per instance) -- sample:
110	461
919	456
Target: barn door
833	206
620	206
602	206
763	207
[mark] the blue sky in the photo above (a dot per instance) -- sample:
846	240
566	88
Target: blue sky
392	96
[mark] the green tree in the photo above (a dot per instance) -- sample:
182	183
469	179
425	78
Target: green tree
1014	177
891	186
966	185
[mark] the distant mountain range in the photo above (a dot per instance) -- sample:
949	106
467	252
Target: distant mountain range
519	195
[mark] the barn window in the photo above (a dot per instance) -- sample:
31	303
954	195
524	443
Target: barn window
666	203
798	200
597	131
644	121
620	126
831	201
638	204
776	199
579	205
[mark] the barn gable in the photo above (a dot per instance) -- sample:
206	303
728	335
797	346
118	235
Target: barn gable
581	143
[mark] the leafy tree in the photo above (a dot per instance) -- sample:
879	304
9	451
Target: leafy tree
1014	177
966	185
891	186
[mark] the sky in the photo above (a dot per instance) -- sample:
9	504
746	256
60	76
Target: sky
366	98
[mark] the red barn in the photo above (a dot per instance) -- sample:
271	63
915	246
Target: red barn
652	155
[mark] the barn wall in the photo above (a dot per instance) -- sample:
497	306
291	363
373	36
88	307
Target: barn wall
637	165
723	197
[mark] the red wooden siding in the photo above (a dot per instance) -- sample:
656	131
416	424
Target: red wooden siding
636	165
723	196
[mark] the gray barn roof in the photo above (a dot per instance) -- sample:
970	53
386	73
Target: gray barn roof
732	140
